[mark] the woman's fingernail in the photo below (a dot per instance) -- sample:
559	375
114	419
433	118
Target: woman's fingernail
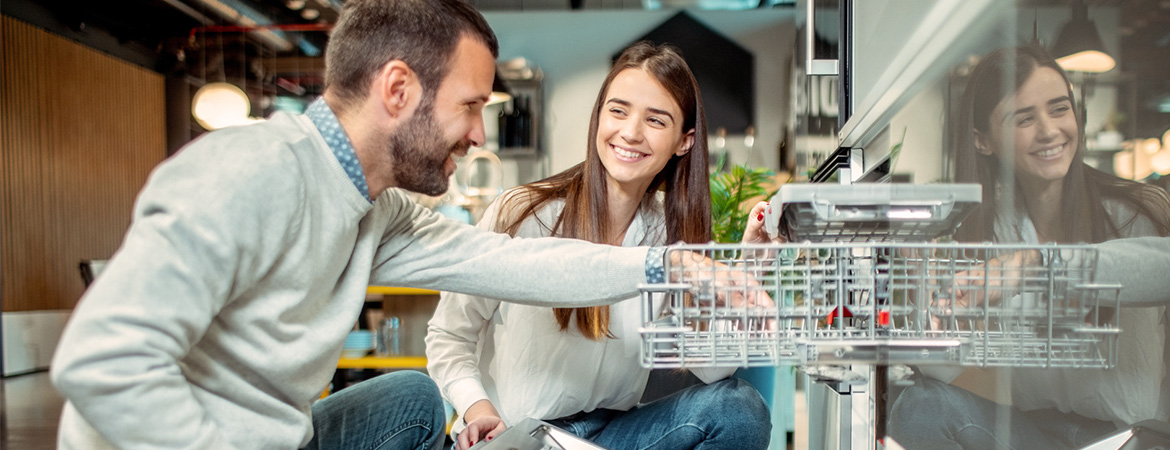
760	217
489	438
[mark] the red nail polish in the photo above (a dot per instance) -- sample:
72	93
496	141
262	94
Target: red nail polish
489	438
760	217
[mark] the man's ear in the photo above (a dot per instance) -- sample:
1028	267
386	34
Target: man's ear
687	144
397	87
982	143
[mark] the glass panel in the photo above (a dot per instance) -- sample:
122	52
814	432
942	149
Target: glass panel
1065	158
1063	155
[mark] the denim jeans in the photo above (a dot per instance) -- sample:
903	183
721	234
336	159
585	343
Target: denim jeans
933	415
398	410
728	414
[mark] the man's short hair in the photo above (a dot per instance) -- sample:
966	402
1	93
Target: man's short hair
421	33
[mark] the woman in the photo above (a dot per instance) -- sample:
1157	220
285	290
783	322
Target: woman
1021	137
643	182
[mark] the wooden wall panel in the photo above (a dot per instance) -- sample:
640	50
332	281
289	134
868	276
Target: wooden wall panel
79	133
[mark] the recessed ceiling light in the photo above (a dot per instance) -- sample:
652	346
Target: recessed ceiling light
310	14
295	5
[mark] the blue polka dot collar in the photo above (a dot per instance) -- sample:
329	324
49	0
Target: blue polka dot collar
326	122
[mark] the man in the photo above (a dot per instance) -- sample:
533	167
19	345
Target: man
220	319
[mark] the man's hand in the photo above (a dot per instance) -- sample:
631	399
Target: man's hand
1006	273
733	287
988	283
483	423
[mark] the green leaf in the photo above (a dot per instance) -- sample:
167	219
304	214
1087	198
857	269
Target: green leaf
729	190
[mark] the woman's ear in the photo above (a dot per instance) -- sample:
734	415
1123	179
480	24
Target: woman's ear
687	144
982	143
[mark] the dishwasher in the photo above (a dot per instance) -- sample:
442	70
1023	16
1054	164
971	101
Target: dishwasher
866	288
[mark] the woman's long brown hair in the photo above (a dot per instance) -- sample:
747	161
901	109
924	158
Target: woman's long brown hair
1082	211
687	202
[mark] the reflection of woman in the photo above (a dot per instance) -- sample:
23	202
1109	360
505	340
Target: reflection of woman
1020	137
643	182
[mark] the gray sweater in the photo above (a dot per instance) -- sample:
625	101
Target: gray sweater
221	317
1133	390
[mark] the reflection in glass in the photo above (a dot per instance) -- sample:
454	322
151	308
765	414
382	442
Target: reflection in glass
1019	132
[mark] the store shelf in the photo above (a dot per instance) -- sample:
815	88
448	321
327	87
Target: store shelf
383	362
393	290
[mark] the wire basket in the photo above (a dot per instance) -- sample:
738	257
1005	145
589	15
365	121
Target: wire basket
881	303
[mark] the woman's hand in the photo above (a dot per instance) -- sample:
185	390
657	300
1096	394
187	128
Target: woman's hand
483	423
754	232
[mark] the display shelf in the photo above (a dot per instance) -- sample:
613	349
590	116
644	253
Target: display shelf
393	290
383	362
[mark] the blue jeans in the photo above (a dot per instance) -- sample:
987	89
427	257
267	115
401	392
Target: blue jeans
398	410
728	414
933	415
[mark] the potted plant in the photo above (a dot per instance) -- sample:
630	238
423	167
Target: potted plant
730	193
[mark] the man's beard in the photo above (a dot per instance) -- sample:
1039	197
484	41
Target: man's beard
418	160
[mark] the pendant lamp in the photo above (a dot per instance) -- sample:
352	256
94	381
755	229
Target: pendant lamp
1078	46
219	105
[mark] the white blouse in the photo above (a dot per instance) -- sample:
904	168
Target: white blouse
517	357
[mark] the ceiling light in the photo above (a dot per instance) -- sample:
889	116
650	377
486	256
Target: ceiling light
295	5
219	105
1078	46
498	97
310	14
1151	145
1123	164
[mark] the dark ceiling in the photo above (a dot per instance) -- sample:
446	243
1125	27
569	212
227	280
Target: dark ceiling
157	29
180	37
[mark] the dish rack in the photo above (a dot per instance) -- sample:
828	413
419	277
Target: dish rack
878	303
